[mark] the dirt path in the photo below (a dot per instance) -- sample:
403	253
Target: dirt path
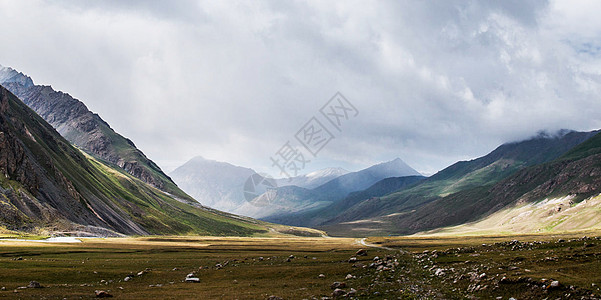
366	244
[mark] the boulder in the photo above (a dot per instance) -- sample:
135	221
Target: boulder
102	294
338	293
361	252
193	279
338	285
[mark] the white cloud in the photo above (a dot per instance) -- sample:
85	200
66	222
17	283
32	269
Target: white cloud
434	82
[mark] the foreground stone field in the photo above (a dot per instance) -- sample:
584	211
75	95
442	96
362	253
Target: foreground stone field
560	266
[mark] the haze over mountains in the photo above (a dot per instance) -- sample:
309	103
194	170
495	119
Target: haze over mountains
220	185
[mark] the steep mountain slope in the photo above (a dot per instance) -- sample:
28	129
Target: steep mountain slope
48	184
313	179
215	184
87	130
297	206
576	174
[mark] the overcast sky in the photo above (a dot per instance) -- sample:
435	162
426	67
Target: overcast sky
433	82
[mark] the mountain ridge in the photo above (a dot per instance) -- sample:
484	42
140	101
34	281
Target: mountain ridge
49	185
87	130
321	197
424	207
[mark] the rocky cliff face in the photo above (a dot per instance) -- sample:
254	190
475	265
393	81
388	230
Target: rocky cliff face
72	119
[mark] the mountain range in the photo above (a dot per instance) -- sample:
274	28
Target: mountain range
66	170
470	190
220	185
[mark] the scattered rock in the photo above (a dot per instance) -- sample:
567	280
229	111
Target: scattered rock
352	260
338	293
321	276
376	258
34	285
193	279
349	276
361	252
272	297
338	285
352	292
102	294
127	278
554	284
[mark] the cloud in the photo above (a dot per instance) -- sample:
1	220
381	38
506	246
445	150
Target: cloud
433	82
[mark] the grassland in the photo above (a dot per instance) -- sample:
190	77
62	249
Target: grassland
258	267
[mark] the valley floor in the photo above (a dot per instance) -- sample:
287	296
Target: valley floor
441	267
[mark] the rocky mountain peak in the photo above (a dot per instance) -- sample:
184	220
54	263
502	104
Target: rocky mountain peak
8	74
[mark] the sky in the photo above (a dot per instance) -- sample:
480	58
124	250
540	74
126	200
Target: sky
431	82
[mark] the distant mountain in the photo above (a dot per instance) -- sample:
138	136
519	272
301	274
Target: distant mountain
316	217
72	119
49	185
215	184
220	185
313	179
356	181
301	202
456	194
